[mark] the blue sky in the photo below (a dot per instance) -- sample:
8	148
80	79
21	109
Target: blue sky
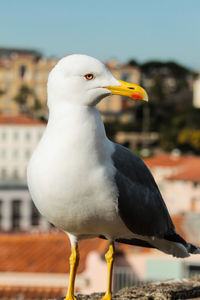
138	29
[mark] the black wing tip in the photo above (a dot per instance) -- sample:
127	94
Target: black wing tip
193	249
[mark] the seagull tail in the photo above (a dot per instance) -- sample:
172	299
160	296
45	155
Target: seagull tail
172	244
191	248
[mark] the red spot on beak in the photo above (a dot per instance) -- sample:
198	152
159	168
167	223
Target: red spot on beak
137	96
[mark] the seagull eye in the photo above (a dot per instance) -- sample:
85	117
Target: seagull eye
89	76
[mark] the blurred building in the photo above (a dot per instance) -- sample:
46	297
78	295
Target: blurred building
196	92
19	136
178	178
135	140
17	211
25	68
23	79
36	266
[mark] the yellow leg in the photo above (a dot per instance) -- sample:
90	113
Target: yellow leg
110	259
74	260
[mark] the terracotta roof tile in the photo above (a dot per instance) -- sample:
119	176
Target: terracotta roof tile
188	166
49	253
19	120
166	160
46	253
190	171
13	292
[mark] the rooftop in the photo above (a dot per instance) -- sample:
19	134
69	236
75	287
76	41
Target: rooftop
6	119
188	167
39	252
39	293
167	160
7	52
22	256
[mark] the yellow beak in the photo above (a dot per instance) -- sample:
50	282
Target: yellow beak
131	90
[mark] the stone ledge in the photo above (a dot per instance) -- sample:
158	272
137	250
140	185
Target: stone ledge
172	289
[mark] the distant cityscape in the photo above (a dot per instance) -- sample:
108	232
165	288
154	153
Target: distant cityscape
165	132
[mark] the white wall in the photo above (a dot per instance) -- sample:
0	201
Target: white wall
17	143
177	194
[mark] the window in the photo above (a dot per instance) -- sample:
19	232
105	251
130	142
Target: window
3	135
15	135
193	270
28	136
16	213
15	153
15	174
195	184
22	71
35	215
3	153
27	154
3	173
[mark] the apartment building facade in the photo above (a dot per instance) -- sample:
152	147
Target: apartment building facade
19	135
26	68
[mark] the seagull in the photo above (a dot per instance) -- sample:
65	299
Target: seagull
87	185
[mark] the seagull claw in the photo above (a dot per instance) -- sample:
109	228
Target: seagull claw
107	297
70	298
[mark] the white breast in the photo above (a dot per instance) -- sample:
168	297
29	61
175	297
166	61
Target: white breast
71	174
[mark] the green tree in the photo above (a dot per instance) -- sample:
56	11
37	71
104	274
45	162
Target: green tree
190	139
22	98
2	92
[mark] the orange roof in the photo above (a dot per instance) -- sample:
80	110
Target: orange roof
13	292
43	253
189	166
189	172
49	253
2	63
166	160
18	120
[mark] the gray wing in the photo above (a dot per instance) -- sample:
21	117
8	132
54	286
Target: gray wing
140	203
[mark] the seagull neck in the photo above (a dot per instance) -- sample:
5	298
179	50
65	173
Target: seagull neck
77	117
64	111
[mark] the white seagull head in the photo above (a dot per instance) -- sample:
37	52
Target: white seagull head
79	79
